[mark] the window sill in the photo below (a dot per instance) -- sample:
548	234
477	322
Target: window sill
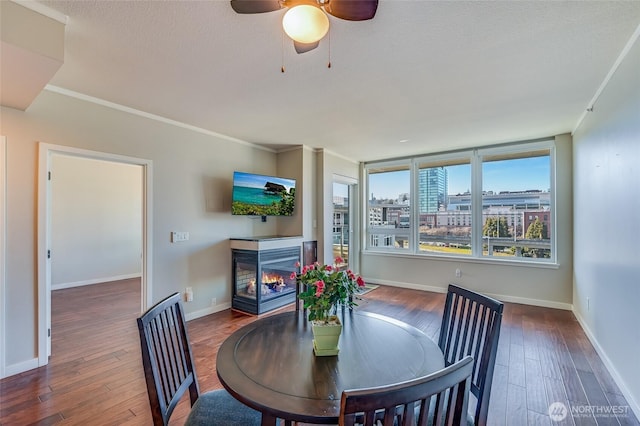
464	259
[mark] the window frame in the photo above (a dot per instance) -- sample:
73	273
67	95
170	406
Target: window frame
452	158
476	157
410	231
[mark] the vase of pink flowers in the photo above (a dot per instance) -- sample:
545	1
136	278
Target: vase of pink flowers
324	289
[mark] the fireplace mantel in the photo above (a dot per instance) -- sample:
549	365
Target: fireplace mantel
265	243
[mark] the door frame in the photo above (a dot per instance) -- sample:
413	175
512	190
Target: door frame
3	236
45	152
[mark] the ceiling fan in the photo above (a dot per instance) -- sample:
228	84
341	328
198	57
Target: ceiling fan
305	21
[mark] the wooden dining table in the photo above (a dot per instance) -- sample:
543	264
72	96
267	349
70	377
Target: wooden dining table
270	365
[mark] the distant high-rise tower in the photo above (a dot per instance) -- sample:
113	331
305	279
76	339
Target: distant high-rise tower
433	187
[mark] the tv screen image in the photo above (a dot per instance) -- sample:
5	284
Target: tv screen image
260	195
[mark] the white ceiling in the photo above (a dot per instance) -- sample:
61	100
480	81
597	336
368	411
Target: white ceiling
440	74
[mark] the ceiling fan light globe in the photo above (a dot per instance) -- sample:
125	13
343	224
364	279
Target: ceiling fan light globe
305	23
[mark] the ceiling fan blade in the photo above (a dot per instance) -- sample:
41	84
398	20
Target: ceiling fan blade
255	6
352	10
305	47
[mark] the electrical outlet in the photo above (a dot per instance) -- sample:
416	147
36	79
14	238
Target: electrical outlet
458	273
214	302
188	294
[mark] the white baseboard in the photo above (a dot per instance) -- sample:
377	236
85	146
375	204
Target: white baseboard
94	281
532	302
207	311
501	297
11	370
406	285
635	405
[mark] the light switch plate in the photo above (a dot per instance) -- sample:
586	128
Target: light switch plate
179	236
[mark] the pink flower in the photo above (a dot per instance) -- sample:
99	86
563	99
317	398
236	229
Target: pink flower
360	282
329	268
293	276
319	288
297	265
305	269
339	260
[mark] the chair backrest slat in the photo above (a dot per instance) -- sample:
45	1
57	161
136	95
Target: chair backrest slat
173	356
471	327
447	391
166	357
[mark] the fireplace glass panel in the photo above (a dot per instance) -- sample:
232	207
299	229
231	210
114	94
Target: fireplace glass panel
246	274
263	279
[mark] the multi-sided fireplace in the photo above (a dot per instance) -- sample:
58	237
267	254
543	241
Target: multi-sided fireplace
262	273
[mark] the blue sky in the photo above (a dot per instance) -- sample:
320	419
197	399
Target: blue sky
257	181
510	175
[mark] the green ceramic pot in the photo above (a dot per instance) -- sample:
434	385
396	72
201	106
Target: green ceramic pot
326	336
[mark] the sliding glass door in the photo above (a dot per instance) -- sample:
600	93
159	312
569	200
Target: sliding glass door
342	231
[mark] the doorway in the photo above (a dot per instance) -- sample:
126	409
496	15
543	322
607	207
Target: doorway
343	237
46	231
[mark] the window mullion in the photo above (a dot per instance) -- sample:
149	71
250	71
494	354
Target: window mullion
476	204
414	223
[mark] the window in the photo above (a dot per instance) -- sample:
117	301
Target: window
444	220
515	184
389	225
492	203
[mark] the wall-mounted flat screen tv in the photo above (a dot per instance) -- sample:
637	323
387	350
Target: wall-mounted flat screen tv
261	195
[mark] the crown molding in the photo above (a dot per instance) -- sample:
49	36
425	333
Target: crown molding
605	82
43	10
139	113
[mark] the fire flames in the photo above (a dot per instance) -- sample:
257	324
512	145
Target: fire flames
271	282
271	279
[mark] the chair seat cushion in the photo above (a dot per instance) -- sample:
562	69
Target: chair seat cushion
218	407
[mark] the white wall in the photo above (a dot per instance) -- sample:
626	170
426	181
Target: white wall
192	174
541	285
96	221
290	165
606	289
299	163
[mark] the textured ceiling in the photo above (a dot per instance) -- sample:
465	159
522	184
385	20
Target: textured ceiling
439	74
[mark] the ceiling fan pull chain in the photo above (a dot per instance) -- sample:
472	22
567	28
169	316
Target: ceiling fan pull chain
282	49
329	41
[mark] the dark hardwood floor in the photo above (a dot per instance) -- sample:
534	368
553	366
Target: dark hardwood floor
95	374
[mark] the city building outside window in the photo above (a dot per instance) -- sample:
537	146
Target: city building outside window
517	184
512	204
389	225
438	178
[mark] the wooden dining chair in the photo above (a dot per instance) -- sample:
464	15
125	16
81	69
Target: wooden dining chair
471	326
440	398
169	371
